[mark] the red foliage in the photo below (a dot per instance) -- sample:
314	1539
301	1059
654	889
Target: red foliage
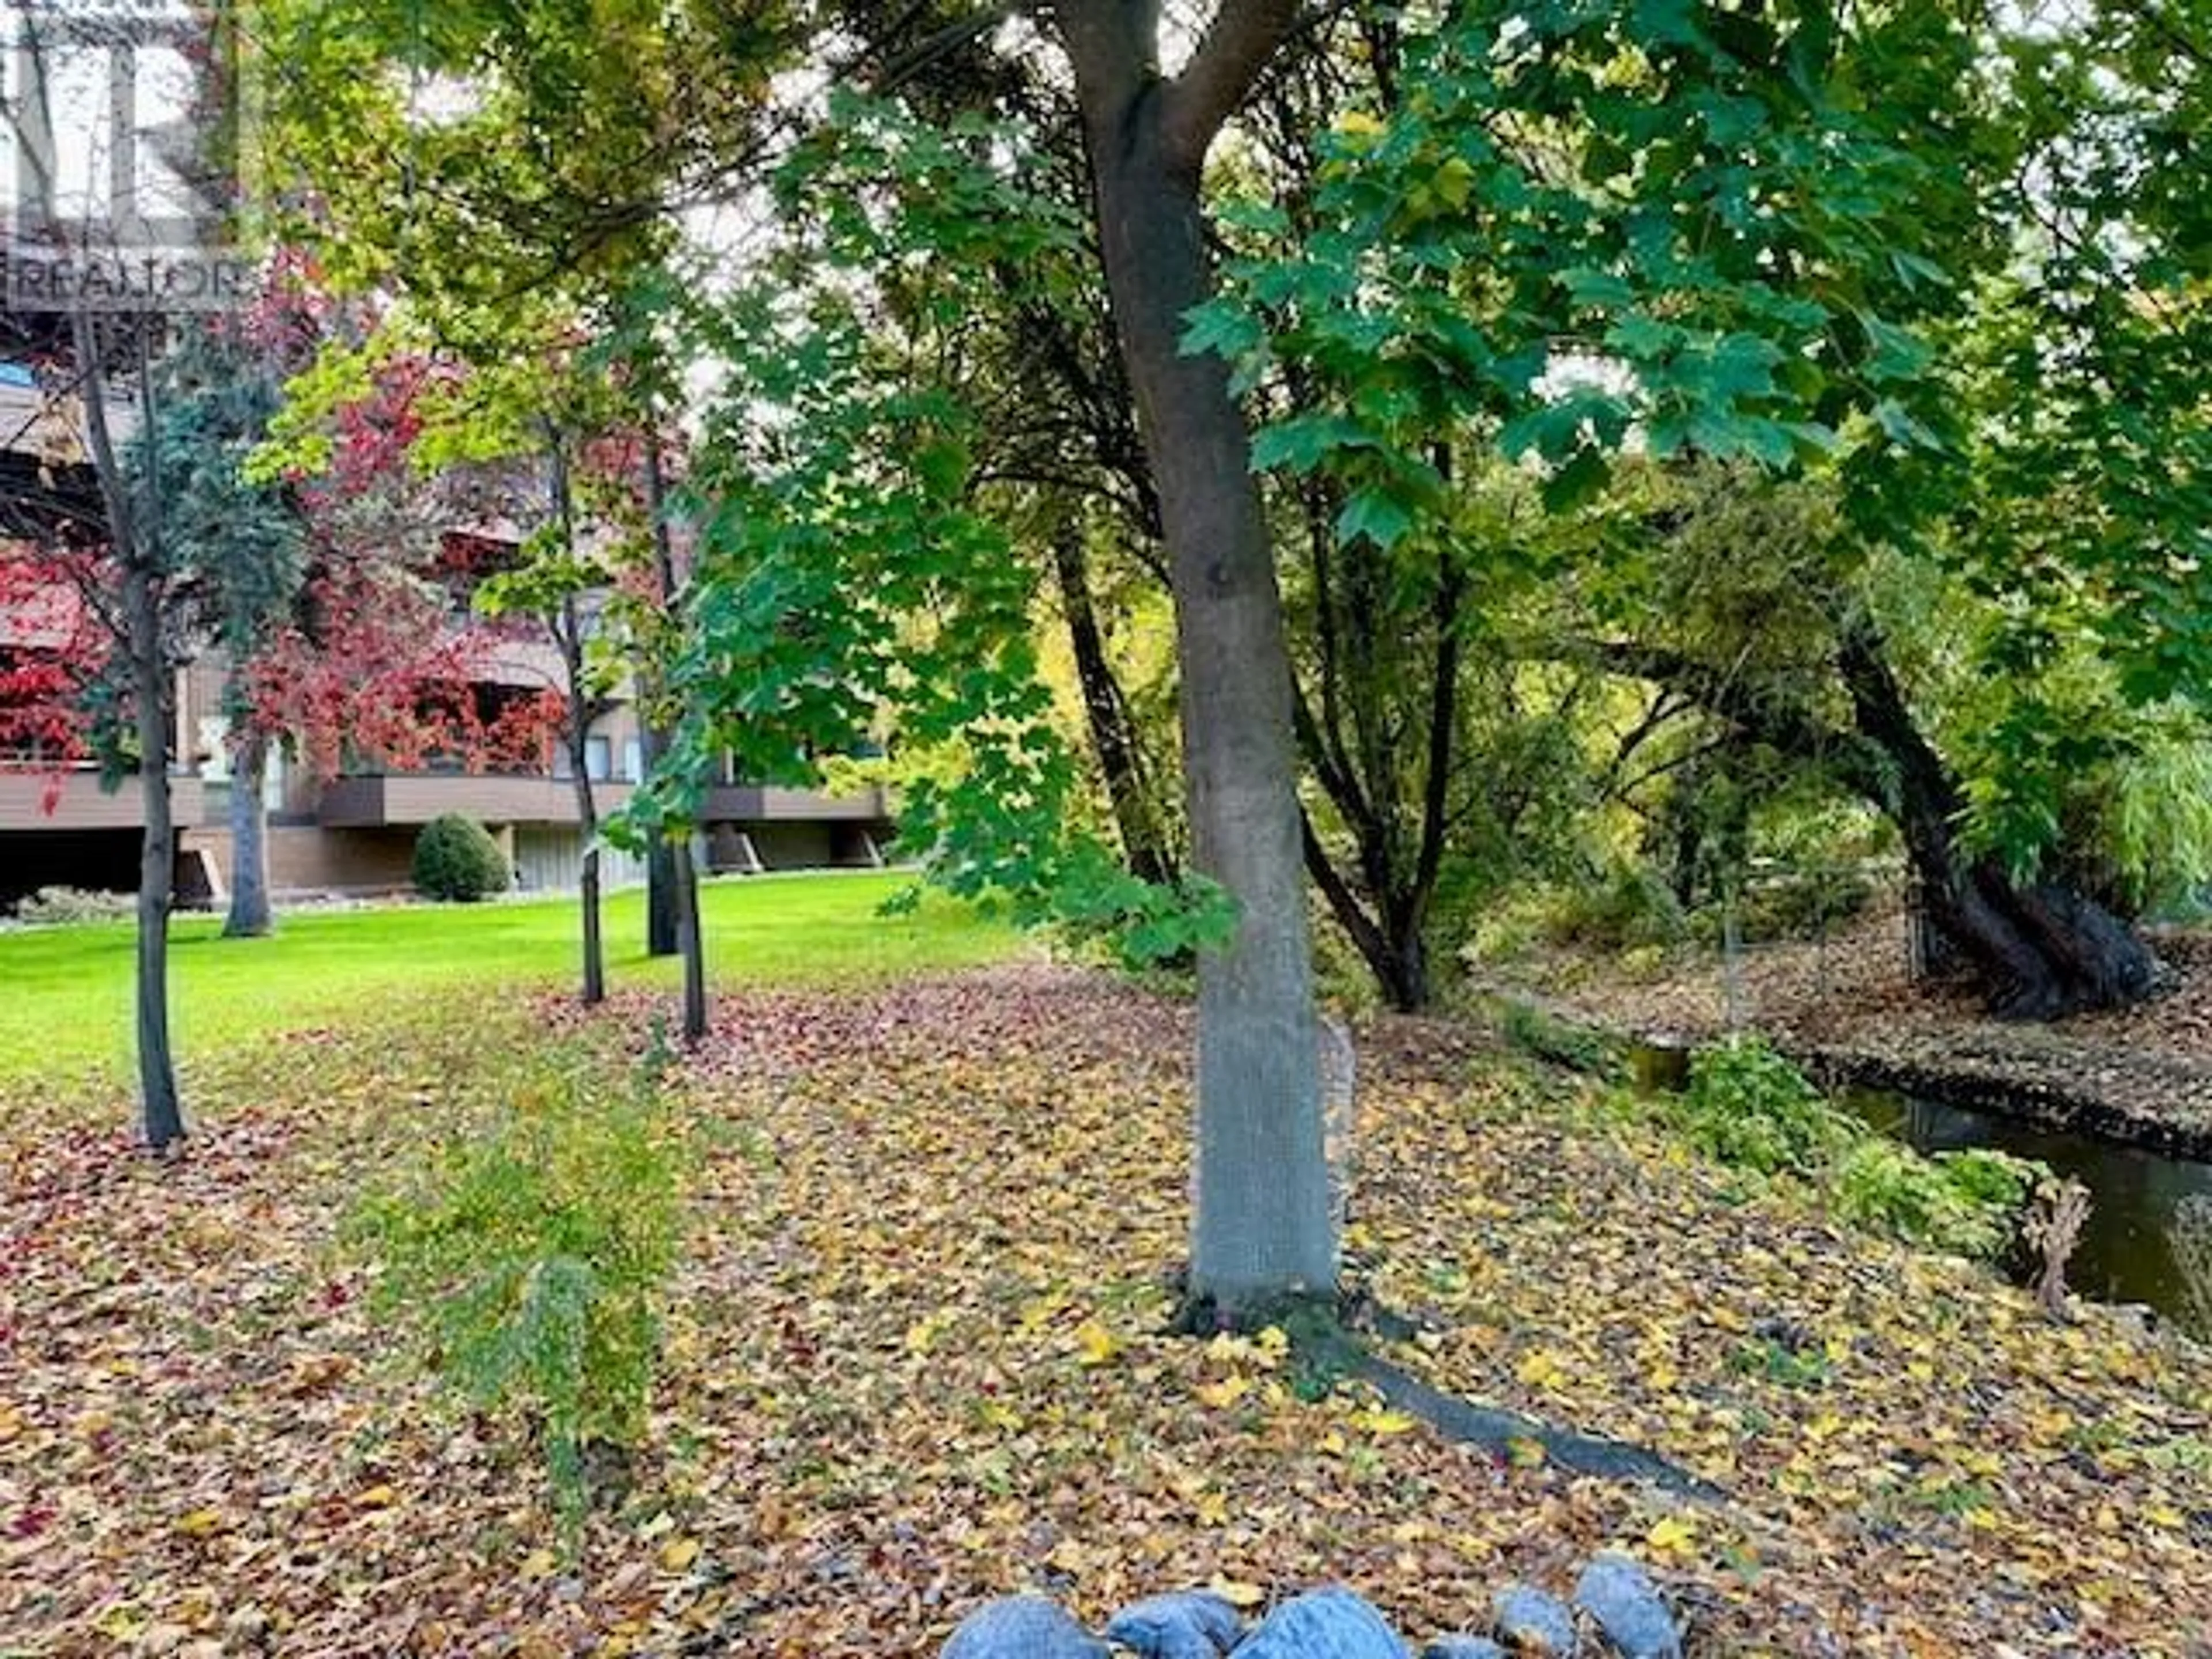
381	663
52	648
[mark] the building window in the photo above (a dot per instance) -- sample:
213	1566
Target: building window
599	759
634	759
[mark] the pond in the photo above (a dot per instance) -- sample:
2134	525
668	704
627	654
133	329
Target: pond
2140	1221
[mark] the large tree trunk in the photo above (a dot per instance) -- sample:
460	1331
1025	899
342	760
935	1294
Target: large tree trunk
161	1111
2040	951
2037	951
1263	1227
1106	712
249	916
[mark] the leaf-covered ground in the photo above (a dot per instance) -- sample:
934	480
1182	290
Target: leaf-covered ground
915	1362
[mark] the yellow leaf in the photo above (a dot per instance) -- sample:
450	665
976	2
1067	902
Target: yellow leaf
1541	1370
121	1623
921	1336
539	1564
1358	123
1070	1556
1383	1422
378	1496
1523	1453
1097	1345
1238	1593
1212	1510
678	1553
199	1522
1672	1532
1225	1393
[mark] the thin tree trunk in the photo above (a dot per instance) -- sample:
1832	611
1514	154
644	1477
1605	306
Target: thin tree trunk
663	908
578	737
662	930
1394	954
683	869
162	1112
1106	712
249	916
690	943
1263	1227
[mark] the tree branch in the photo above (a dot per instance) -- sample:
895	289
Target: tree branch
1245	36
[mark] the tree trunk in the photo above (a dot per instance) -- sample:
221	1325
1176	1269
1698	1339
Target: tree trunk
683	868
566	626
691	941
662	928
161	1111
1396	954
2037	951
1367	780
2040	951
1262	1227
249	916
663	906
1113	736
569	633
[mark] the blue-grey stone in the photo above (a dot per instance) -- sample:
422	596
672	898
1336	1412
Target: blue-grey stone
1464	1647
1618	1594
1187	1624
1323	1624
1022	1627
1530	1621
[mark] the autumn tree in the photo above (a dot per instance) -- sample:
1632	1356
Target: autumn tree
520	263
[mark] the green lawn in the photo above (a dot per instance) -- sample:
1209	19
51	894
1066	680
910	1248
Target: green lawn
65	992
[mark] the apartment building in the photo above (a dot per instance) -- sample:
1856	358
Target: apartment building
354	833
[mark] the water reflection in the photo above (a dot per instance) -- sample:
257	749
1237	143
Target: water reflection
2127	1252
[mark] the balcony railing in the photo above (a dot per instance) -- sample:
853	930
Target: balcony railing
417	798
36	800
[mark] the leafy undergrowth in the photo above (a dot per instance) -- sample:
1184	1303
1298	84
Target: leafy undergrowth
914	1361
1853	996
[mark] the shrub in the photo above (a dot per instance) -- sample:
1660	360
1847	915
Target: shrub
1804	906
1750	1108
1628	908
524	1261
456	860
1582	1049
56	906
1969	1203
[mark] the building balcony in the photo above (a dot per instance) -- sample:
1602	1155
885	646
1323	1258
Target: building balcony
369	802
34	801
403	797
747	803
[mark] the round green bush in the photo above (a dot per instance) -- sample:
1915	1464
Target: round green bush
456	860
